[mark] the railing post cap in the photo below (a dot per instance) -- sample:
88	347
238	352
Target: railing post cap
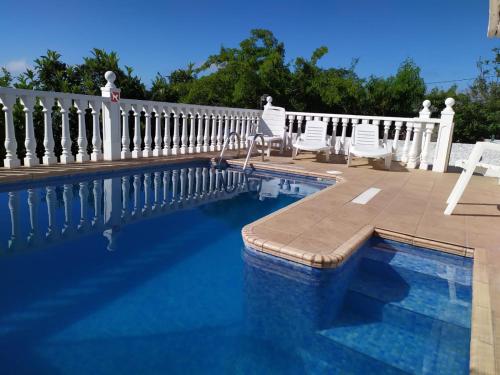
449	102
110	78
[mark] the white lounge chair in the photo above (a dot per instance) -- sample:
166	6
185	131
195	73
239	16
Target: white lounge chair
272	126
365	143
472	163
313	139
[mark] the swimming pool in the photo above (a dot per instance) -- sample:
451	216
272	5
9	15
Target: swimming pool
145	272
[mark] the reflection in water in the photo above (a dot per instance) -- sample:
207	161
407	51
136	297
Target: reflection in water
73	210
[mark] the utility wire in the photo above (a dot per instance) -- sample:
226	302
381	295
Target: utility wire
458	80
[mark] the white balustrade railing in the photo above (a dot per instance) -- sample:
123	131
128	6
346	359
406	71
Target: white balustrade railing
414	150
103	205
116	128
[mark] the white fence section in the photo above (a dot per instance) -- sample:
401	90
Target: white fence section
116	128
111	128
417	133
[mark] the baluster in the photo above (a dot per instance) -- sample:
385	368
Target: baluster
415	149
175	148
206	133
33	204
289	140
125	197
249	130
137	195
237	129
184	137
406	147
166	188
213	140
299	126
354	122
14	240
192	133
97	219
166	136
387	125
147	193
243	131
395	142
227	124
157	184
147	133
50	197
157	150
11	160
199	137
96	132
84	205
333	139
231	129
136	153
30	142
219	132
125	154
49	158
68	212
426	159
82	155
66	155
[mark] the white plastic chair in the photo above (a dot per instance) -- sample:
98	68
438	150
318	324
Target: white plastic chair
313	139
465	176
365	143
272	126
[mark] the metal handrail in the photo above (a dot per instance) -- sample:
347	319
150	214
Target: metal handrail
226	142
249	154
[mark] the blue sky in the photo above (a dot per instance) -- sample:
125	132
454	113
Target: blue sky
444	37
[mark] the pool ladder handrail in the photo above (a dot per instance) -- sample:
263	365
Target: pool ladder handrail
252	144
238	139
226	142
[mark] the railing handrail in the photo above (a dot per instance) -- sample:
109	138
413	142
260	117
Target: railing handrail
365	117
50	94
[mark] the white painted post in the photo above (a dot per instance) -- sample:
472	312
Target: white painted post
232	118
175	139
192	133
213	138
342	148
82	154
96	133
125	153
66	155
199	133
445	138
49	158
30	142
11	159
333	139
111	119
184	137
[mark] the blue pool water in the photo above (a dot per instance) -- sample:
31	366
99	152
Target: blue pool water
145	272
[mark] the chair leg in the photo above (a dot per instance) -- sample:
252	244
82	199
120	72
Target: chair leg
269	150
349	160
295	152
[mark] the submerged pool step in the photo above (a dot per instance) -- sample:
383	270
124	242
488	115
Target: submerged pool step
413	291
409	351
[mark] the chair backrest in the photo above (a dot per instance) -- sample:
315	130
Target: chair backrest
315	132
273	121
365	135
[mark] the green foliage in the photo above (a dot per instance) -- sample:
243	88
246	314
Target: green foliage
239	76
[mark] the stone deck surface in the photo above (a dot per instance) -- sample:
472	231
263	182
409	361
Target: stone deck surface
324	229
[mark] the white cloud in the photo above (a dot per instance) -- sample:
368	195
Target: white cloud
16	66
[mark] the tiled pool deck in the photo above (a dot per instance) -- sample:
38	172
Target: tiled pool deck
323	229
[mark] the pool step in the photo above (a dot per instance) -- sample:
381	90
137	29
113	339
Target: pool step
413	291
408	351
